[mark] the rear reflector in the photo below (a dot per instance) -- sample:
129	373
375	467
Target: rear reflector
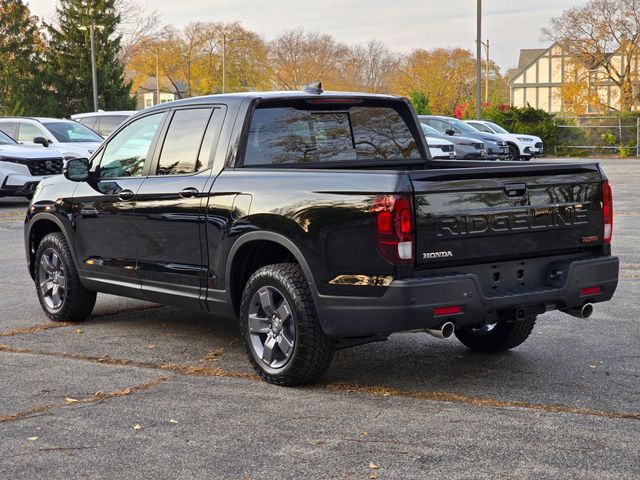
585	292
607	212
447	310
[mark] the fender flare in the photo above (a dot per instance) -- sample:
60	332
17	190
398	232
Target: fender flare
272	237
35	219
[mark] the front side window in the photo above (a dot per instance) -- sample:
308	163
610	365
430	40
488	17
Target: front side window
28	132
127	151
439	125
480	127
182	143
282	135
72	132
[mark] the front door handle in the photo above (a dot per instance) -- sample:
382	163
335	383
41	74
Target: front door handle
125	195
189	193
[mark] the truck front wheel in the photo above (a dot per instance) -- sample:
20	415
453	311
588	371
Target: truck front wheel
62	296
278	321
497	337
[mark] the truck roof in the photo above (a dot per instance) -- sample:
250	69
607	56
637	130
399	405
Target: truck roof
270	95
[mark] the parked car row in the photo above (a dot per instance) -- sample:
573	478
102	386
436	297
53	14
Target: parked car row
481	140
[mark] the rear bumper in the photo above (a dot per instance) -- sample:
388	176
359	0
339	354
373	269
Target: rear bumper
409	304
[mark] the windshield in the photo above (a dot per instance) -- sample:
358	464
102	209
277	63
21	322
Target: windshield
463	127
427	130
496	128
72	132
329	132
6	139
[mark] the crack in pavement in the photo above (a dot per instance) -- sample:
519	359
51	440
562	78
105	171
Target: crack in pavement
97	397
12	332
448	397
458	398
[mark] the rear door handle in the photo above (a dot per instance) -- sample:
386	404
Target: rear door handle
189	193
125	195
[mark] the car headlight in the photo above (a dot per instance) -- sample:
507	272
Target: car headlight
525	139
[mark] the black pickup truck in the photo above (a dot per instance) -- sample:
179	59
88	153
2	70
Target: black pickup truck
319	220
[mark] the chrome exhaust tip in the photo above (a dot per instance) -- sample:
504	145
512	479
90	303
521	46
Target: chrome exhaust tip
583	312
445	330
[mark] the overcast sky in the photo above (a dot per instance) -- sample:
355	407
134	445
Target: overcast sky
403	25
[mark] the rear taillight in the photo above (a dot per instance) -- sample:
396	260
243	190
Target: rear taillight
394	228
607	212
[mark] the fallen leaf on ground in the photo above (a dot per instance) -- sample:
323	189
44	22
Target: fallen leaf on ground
591	366
365	433
373	465
70	400
374	475
151	346
173	421
77	330
137	426
33	439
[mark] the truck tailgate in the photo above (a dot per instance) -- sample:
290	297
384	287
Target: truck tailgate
488	213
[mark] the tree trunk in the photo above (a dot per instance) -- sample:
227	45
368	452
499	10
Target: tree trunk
627	99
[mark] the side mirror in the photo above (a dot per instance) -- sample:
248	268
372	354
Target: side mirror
76	169
450	132
41	141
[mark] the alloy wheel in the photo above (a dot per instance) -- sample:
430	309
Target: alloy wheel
52	279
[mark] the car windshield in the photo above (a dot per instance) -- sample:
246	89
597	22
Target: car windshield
72	132
460	125
496	128
427	130
6	139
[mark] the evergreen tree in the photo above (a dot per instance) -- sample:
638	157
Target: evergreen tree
69	58
21	74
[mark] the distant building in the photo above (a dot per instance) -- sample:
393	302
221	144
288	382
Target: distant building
146	94
542	73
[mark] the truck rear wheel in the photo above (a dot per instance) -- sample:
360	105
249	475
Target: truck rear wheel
284	339
497	337
62	296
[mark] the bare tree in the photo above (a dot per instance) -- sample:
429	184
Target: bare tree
138	27
370	67
603	35
298	58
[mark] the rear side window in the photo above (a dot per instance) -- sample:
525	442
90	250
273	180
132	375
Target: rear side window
88	121
10	128
317	134
109	123
182	143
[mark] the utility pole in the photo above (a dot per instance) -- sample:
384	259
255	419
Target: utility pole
94	73
479	60
486	78
157	75
224	62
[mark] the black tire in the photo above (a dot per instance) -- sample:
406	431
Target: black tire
76	302
311	352
503	336
514	152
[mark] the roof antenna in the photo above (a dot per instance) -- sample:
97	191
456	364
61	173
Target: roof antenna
313	87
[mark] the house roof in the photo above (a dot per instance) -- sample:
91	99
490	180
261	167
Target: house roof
528	55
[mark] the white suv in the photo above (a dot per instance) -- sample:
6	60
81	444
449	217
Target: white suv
70	138
22	167
103	122
520	146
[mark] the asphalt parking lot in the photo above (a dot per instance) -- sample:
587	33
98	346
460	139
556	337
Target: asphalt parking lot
148	391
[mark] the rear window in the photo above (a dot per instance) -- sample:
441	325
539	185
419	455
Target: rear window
328	133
